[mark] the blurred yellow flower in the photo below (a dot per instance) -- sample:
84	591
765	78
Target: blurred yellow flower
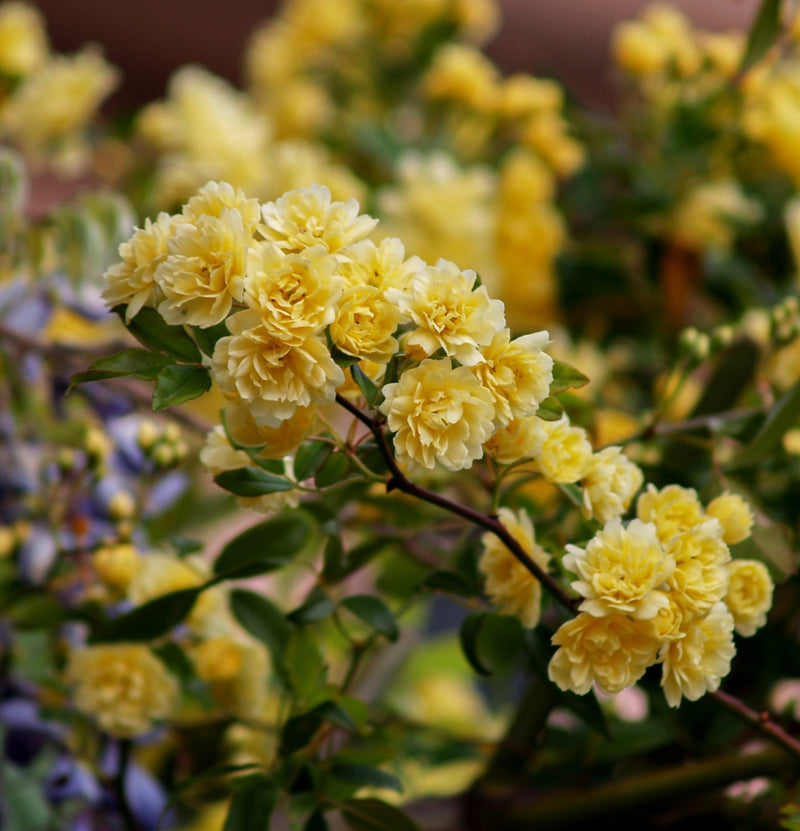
621	570
749	596
462	73
609	484
438	414
734	515
612	651
124	687
116	565
23	39
509	584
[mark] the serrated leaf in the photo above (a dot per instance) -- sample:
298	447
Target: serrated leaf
149	328
252	481
368	387
309	457
375	815
152	619
781	418
317	606
252	804
763	33
566	377
374	612
179	383
263	620
141	363
550	409
366	775
265	547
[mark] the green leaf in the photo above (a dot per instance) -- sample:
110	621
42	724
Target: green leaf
550	409
149	328
368	388
492	643
139	362
305	664
566	377
252	804
333	470
374	612
263	620
298	731
178	383
763	33
265	547
338	563
782	417
309	458
366	775
450	582
207	338
152	619
335	714
24	806
316	822
252	481
375	815
317	606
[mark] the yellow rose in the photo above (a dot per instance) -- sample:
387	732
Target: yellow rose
749	596
116	565
672	509
124	687
733	514
23	40
609	484
564	451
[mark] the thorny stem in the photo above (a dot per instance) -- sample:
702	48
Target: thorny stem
399	481
760	721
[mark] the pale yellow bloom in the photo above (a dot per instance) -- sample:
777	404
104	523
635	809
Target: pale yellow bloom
295	294
438	414
448	313
612	651
672	509
517	372
204	269
564	451
161	574
305	217
217	456
382	266
365	324
638	49
520	439
123	686
749	596
23	39
277	442
215	197
56	101
609	484
621	570
700	578
734	515
460	72
132	280
116	565
217	659
522	95
696	663
274	376
509	584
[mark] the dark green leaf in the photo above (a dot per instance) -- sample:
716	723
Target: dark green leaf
492	643
252	481
338	563
305	664
551	409
252	804
335	714
375	815
139	362
266	546
207	338
309	458
343	359
316	822
176	660
374	612
368	388
782	417
178	383
450	582
298	732
333	470
150	620
763	33
317	606
366	775
566	377
263	620
149	328
468	637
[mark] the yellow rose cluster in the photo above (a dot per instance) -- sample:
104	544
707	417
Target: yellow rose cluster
302	290
662	588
